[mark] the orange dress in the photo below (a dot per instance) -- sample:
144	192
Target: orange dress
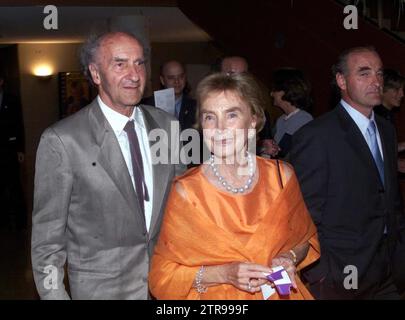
213	227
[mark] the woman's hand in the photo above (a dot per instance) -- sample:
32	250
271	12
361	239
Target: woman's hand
245	276
270	147
287	261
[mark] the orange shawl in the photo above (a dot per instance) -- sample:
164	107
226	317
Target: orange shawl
190	237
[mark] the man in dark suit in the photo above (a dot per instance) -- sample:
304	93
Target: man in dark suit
173	75
100	190
12	155
346	162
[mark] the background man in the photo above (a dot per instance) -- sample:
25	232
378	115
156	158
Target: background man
99	197
346	162
173	75
234	64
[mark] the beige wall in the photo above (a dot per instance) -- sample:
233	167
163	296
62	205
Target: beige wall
40	97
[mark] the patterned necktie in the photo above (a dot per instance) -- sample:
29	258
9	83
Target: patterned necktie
137	165
371	130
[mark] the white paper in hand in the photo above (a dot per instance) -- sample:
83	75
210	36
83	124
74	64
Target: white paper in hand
267	291
164	99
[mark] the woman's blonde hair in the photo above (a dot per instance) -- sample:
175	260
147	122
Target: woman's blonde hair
243	84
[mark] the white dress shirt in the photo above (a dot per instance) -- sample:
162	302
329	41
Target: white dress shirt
362	123
118	122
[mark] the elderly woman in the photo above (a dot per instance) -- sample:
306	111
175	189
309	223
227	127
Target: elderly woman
231	220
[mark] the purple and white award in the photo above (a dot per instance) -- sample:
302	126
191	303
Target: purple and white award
281	280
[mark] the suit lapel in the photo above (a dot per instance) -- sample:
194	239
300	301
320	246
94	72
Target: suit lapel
356	140
161	174
110	157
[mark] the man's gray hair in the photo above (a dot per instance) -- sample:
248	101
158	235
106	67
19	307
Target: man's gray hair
89	49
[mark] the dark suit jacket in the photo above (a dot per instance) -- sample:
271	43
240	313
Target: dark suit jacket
385	113
187	115
348	202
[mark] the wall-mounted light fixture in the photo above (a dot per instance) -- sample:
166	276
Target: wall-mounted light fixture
43	71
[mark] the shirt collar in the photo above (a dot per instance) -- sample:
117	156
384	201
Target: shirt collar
360	119
118	120
287	116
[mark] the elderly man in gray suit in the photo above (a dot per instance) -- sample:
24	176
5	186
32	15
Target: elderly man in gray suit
99	195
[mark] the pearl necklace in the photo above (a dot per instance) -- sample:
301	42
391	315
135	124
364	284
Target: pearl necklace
225	184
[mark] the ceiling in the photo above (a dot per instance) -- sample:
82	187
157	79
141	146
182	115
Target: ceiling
25	24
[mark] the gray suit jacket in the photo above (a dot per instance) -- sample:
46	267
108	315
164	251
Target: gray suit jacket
86	210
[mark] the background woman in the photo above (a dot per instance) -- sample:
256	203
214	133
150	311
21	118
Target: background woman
291	93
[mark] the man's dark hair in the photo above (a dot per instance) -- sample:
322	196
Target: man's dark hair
393	79
297	89
341	65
